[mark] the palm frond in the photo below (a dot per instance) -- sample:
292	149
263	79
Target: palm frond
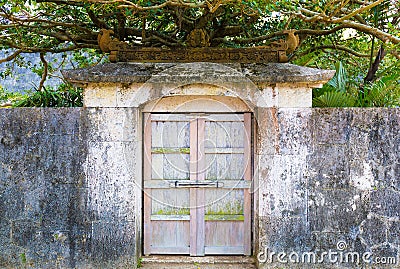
334	99
340	79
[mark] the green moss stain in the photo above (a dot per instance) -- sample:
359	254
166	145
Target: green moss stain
233	208
22	256
173	211
170	150
139	263
224	217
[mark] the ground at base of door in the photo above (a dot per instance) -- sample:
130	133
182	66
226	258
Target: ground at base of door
208	262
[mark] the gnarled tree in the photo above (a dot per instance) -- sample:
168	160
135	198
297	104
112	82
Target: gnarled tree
66	25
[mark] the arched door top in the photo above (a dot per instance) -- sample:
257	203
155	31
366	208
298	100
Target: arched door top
196	79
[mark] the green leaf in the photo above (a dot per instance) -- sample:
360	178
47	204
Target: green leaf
340	79
334	99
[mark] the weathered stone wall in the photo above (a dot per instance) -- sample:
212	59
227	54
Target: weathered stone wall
70	185
67	188
329	180
113	188
41	180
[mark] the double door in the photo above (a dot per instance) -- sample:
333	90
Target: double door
197	180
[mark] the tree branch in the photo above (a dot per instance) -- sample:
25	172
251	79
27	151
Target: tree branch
50	50
11	57
385	37
41	23
356	12
253	39
45	71
395	54
320	32
129	4
317	17
99	23
63	2
336	47
281	33
374	67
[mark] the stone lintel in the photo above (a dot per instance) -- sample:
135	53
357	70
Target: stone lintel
270	73
260	85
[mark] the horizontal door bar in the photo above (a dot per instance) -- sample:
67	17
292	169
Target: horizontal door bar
169	117
225	184
195	184
192	116
206	217
224	117
170	217
224	249
221	217
169	250
224	150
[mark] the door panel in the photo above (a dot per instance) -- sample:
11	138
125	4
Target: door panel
219	234
224	166
196	188
170	202
170	166
166	209
220	201
170	236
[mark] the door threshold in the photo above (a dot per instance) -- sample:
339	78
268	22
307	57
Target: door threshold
206	260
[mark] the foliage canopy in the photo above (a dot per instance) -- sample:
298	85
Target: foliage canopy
62	25
363	35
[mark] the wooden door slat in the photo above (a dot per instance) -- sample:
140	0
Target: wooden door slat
247	177
193	192
147	171
200	191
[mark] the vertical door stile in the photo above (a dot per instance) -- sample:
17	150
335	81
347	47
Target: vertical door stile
201	175
193	192
147	176
247	176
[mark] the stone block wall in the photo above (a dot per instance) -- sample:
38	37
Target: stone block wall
41	179
67	188
70	186
329	182
112	183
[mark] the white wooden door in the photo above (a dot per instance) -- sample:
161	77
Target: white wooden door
197	179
